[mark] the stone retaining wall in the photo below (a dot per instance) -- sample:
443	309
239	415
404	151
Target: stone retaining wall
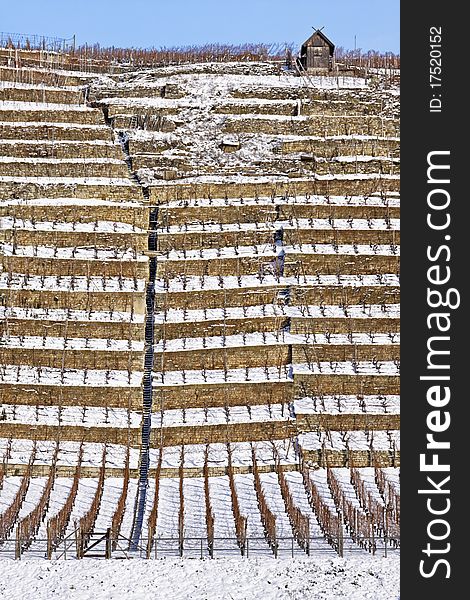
270	295
315	125
295	264
64	169
51	132
56	96
342	147
231	358
53	115
73	359
330	187
221	394
311	353
347	422
30	190
355	385
249	213
137	269
80	300
344	325
73	329
83	239
136	213
60	149
39	76
220	327
53	395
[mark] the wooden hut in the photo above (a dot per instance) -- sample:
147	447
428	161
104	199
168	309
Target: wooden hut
317	54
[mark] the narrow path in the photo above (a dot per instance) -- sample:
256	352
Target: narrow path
144	460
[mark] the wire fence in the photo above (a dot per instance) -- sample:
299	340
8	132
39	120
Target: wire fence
26	41
104	546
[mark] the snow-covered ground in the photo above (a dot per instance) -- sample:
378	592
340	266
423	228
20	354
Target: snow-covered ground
221	579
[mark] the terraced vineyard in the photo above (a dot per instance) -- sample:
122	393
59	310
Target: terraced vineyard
199	286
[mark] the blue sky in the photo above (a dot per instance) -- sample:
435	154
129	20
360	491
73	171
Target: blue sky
147	23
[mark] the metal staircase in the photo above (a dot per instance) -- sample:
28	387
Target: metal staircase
141	496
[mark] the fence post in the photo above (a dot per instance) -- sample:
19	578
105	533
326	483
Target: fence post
340	540
247	546
108	543
18	544
49	543
292	547
201	547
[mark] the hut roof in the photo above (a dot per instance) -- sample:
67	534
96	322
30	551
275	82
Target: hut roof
323	36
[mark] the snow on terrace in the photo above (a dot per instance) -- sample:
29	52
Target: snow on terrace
284	137
267	453
215	376
350	440
192	417
59	143
281	373
58	124
204	78
75	252
147	178
374	311
272	339
89	416
21	449
19	106
59	161
20	281
71	181
38	86
7	223
290	118
71	343
191	283
61	314
72	201
267	250
13	374
366	367
327	404
286	224
391	199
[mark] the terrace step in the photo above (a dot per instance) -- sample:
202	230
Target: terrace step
52	167
53	131
60	149
41	95
50	114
